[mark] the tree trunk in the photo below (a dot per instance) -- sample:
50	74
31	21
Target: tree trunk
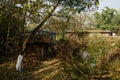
27	40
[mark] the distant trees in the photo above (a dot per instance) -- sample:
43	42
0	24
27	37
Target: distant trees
108	19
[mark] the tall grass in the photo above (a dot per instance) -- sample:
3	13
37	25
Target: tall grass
96	65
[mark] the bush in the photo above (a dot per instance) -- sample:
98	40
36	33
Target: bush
96	65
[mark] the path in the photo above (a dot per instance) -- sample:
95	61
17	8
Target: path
50	70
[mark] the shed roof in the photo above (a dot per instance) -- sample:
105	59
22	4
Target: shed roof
97	31
90	31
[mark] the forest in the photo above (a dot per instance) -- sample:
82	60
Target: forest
58	40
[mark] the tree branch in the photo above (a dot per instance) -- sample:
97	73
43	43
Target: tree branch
38	27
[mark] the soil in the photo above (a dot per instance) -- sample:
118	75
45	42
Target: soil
50	69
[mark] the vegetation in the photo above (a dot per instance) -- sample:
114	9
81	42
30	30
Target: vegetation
96	65
17	14
108	19
102	62
82	58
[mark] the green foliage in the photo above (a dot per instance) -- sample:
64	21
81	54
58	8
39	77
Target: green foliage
108	19
96	65
15	15
11	23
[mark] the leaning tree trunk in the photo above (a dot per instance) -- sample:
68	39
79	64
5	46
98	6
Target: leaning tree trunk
27	40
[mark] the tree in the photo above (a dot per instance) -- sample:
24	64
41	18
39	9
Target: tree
66	5
107	19
11	22
14	12
14	16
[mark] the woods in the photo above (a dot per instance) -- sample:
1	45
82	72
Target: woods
23	11
21	22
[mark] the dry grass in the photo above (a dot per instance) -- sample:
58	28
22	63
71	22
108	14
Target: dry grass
53	69
48	70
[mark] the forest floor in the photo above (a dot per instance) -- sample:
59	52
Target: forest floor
34	68
50	69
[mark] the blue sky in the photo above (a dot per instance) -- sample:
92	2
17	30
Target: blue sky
110	3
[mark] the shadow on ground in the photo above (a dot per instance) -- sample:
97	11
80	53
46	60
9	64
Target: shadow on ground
48	70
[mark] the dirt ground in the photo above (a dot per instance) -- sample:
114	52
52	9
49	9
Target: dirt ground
50	69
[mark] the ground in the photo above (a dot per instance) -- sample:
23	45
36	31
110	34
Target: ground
50	69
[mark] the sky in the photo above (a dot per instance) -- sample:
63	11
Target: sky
109	3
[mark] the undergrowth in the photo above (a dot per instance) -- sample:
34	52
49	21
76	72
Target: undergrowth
102	60
96	64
